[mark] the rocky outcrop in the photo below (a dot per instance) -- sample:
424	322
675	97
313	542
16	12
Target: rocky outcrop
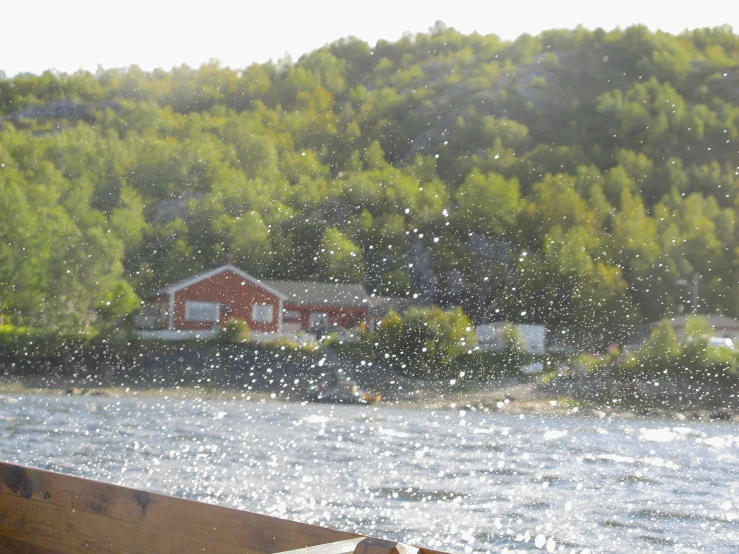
60	109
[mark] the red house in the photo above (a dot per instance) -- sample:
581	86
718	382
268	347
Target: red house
202	304
315	307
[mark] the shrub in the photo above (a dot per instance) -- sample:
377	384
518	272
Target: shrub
33	342
424	341
236	331
483	365
662	347
118	303
663	353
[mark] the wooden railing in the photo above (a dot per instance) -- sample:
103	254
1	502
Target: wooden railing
42	512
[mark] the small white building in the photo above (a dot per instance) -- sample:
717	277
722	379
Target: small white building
491	336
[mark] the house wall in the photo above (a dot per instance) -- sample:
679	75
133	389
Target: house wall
490	337
155	314
345	317
718	331
227	287
732	334
160	300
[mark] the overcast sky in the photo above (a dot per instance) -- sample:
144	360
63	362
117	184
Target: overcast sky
67	35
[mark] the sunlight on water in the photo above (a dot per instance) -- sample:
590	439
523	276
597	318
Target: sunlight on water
455	481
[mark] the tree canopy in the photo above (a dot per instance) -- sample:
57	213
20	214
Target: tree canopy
575	178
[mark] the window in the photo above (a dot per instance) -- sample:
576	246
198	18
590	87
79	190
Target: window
291	314
262	313
155	310
318	318
202	311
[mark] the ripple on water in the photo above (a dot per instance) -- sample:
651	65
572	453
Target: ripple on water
489	503
393	433
716	442
315	418
658	541
504	471
419	495
536	505
655	514
617	524
638	478
669	434
554	435
551	479
629	460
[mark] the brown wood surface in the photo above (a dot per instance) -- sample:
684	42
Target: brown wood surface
48	513
11	546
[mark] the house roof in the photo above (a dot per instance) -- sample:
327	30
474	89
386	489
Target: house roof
208	274
336	295
718	322
381	305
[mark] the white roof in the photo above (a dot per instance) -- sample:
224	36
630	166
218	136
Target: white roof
208	274
322	294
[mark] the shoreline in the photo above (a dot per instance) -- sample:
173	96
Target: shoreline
473	401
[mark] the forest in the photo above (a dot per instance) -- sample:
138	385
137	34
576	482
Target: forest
576	178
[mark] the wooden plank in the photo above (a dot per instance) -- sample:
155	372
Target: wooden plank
9	545
42	512
252	533
66	531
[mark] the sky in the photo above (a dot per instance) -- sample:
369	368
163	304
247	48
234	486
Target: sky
36	35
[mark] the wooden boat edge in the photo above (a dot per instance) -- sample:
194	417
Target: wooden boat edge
52	513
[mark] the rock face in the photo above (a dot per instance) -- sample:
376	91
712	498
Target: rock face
525	93
423	278
61	109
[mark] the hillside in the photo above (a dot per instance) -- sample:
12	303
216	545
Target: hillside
577	178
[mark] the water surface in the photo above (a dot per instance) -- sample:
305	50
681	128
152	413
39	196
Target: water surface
454	480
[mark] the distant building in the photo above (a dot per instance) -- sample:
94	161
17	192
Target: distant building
723	327
201	305
490	336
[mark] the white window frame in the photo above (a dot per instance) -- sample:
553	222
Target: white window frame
203	312
262	313
291	315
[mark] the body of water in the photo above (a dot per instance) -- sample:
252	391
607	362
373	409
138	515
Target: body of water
453	480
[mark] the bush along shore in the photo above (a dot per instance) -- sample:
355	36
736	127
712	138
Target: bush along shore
666	377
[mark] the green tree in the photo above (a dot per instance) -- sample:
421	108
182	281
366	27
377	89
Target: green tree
662	347
488	204
251	244
340	259
117	303
425	341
